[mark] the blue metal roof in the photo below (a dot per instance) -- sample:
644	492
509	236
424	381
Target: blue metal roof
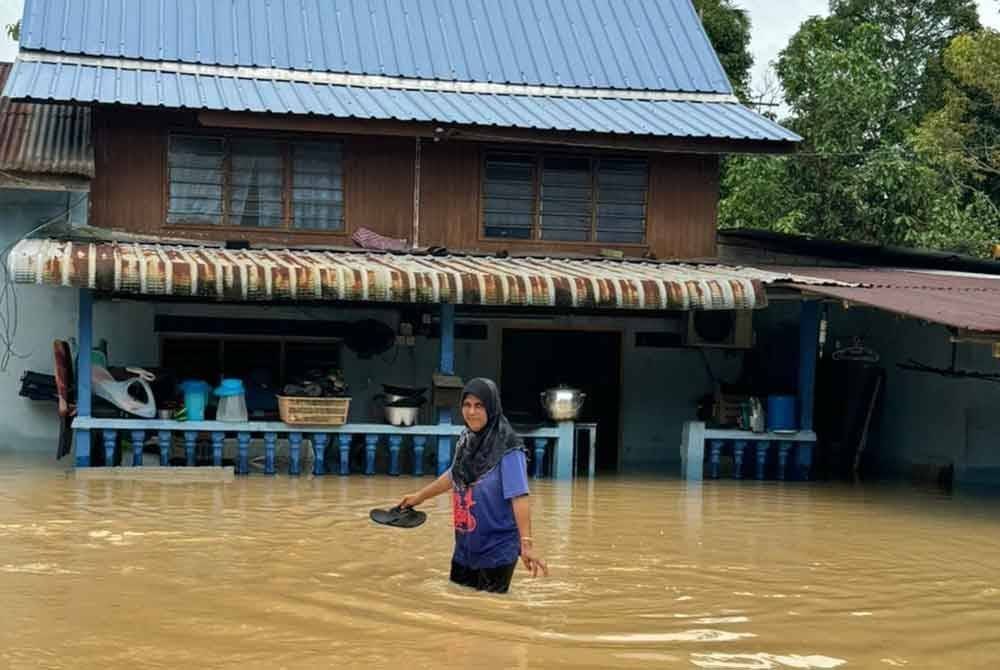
45	81
653	45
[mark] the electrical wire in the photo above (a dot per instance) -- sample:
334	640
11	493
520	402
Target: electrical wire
9	315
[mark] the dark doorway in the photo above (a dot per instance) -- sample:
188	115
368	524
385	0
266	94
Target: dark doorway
535	360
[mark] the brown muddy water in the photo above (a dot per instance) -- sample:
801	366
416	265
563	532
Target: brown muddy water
290	573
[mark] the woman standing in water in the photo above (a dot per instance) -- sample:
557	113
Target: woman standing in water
490	504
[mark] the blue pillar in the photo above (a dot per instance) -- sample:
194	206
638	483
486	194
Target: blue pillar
783	449
447	367
110	438
395	443
419	442
85	336
371	444
319	441
138	440
803	460
562	454
165	438
540	444
762	448
808	352
344	442
738	448
217	439
270	448
714	457
243	453
295	454
190	440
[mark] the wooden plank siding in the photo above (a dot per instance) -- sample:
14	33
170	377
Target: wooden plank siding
129	192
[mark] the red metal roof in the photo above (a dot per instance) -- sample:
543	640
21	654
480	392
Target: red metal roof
255	275
44	139
957	299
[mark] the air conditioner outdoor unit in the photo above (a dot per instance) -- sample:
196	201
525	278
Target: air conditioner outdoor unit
721	329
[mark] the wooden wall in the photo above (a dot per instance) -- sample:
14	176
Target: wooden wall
128	193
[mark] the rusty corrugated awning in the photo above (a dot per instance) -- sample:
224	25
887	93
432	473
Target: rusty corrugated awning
43	139
260	275
958	299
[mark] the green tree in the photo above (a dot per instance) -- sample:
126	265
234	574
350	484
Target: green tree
857	82
728	29
13	30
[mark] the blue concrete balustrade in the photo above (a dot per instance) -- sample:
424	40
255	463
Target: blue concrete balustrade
789	454
551	448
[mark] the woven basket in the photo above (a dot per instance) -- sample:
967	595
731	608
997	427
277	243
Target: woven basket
314	411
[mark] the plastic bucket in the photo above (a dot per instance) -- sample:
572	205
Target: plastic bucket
781	414
195	398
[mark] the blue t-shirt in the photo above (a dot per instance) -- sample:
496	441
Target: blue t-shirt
486	534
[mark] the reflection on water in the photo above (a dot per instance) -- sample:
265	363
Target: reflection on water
290	573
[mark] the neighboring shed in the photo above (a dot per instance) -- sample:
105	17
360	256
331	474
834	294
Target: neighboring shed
44	146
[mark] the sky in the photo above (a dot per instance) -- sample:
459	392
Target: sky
774	22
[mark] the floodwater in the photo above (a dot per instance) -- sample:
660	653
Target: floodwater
290	573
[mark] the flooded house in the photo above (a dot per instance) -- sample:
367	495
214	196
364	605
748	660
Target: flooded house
404	197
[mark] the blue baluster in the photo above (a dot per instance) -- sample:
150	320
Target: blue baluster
803	460
371	444
243	453
319	441
395	443
217	439
783	449
419	443
138	441
738	448
270	448
344	443
190	441
714	458
110	439
165	438
295	454
540	444
762	448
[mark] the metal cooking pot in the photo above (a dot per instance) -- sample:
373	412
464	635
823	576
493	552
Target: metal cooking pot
563	403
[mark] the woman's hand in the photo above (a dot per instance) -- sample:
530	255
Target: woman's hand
534	563
410	500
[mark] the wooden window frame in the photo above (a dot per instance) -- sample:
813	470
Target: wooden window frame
539	155
285	143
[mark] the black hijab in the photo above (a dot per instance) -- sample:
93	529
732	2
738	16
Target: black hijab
478	453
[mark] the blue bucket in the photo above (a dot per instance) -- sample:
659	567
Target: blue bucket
781	414
195	398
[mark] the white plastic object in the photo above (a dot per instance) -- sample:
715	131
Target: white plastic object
117	393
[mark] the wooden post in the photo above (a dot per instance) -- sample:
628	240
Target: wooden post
85	337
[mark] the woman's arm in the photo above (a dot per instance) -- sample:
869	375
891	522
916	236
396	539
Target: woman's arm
440	485
522	514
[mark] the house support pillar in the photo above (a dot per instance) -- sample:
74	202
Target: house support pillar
85	337
446	367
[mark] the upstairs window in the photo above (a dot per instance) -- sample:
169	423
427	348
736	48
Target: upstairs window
565	198
255	183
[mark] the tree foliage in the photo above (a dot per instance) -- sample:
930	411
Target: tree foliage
13	30
728	29
894	100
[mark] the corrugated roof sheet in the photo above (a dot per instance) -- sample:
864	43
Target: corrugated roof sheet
44	139
638	44
957	299
671	118
303	275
